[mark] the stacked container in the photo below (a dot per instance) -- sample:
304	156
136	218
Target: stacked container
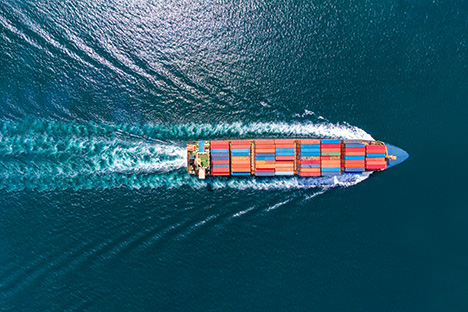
264	158
330	157
284	157
375	157
308	159
219	158
353	156
240	157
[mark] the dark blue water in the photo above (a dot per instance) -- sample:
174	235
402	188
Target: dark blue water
97	101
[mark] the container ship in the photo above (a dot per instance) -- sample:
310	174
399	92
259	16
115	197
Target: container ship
302	157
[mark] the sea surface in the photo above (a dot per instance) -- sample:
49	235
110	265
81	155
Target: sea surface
98	99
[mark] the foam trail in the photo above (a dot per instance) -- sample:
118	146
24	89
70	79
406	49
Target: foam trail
43	154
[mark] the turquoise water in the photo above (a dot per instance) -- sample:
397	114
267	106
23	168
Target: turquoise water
97	101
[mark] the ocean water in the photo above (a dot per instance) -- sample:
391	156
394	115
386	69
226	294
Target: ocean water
97	101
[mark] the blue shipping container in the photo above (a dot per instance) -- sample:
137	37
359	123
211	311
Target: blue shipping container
265	174
331	141
217	157
331	169
241	150
353	157
288	173
355	145
354	169
221	150
240	173
310	166
330	173
264	158
219	166
375	155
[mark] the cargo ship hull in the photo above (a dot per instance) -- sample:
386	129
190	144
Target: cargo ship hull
289	157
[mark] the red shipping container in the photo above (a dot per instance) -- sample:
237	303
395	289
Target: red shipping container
354	161
330	150
219	170
376	148
330	158
240	165
216	146
240	142
220	173
265	146
309	162
354	165
375	167
375	159
220	162
220	142
284	157
309	174
330	146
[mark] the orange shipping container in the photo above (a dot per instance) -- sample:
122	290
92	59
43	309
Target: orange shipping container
284	141
309	174
265	150
309	141
310	170
330	150
265	162
240	170
257	146
265	166
264	142
330	165
338	161
240	158
241	162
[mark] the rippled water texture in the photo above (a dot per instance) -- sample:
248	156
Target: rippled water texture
98	99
